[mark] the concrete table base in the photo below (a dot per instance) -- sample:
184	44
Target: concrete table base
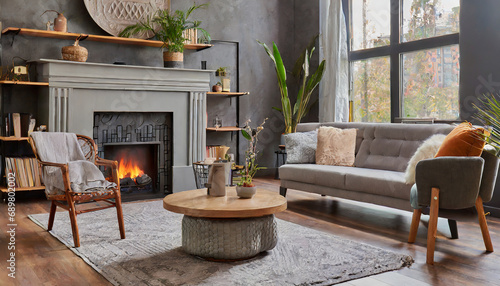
228	238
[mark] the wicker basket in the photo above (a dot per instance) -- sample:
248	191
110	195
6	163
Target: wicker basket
75	53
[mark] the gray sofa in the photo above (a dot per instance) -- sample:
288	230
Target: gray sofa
382	154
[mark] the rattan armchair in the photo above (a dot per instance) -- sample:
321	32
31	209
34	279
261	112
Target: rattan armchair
70	199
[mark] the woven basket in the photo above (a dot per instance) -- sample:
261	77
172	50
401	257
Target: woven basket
75	52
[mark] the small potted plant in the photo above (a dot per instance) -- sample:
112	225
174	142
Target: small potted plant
222	71
217	87
245	188
168	27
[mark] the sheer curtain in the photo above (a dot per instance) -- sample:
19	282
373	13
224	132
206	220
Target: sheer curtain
334	87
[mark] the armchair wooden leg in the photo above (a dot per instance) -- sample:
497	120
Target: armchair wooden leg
52	215
483	224
74	225
415	221
432	230
119	212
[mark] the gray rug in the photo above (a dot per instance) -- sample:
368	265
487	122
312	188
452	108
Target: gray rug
152	253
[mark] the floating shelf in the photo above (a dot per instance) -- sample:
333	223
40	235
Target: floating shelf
95	38
228	94
224	129
5	190
24	82
12	138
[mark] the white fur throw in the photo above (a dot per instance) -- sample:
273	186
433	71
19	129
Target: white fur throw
427	150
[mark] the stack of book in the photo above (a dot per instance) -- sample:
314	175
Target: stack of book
19	124
211	151
27	171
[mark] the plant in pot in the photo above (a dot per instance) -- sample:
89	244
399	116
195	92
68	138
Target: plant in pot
168	27
217	87
307	84
488	113
245	188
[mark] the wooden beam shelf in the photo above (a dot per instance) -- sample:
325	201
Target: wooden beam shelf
224	129
12	138
95	38
6	190
228	94
24	82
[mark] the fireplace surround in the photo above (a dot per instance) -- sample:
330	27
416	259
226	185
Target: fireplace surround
78	91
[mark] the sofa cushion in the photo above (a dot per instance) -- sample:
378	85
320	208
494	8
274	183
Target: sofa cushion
386	146
464	140
323	175
301	147
335	146
379	182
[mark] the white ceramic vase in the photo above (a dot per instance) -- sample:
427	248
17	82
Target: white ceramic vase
246	192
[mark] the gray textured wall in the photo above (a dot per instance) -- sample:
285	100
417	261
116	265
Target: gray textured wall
290	23
479	62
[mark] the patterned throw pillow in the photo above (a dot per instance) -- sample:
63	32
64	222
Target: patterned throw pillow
336	146
301	147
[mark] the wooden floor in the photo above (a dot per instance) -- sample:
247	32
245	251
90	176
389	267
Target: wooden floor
43	260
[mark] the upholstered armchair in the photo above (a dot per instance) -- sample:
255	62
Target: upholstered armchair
69	194
453	183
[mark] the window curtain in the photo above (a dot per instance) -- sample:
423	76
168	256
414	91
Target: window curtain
334	87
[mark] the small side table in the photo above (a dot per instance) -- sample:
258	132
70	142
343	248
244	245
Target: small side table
280	160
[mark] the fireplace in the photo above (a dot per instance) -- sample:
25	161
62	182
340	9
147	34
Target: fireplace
141	142
79	91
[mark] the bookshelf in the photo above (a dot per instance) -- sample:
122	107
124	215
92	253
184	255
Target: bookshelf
15	152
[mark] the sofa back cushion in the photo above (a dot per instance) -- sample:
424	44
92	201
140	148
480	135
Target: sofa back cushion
385	146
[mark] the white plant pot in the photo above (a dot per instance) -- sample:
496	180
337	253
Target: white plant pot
246	192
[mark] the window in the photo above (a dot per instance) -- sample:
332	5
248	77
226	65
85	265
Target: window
404	59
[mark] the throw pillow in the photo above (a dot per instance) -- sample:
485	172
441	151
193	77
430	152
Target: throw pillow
464	140
427	150
336	146
301	147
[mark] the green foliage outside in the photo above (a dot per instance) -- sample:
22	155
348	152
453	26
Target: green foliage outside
429	77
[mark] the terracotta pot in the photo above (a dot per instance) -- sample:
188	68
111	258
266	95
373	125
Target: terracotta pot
217	88
246	192
75	53
173	59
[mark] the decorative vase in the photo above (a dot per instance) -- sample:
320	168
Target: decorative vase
216	88
60	23
75	53
173	59
246	192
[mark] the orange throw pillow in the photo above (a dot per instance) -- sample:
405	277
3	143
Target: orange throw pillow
464	140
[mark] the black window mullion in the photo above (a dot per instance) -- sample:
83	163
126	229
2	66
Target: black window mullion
429	43
395	59
369	53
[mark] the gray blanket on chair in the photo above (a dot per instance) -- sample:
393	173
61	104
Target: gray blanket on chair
63	148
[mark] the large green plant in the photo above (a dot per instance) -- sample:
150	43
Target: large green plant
167	27
488	113
308	82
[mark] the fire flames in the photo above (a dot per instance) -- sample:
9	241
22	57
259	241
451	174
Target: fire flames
129	169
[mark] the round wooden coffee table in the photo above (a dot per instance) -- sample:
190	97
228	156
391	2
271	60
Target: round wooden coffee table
227	228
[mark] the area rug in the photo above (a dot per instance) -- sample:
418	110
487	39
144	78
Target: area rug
152	253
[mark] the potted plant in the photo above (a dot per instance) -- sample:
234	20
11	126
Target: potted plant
168	27
217	87
222	71
308	82
488	113
245	188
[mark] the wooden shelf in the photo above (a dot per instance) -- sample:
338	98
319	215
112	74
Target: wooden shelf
224	129
95	38
228	94
5	190
24	82
12	138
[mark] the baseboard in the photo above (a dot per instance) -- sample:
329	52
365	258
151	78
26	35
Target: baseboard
494	212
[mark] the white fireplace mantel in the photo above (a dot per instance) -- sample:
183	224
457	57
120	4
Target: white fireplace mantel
77	90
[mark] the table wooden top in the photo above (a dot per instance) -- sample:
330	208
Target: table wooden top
197	203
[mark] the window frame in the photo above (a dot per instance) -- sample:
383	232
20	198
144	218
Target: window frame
394	50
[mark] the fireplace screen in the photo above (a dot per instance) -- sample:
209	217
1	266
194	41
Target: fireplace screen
141	142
